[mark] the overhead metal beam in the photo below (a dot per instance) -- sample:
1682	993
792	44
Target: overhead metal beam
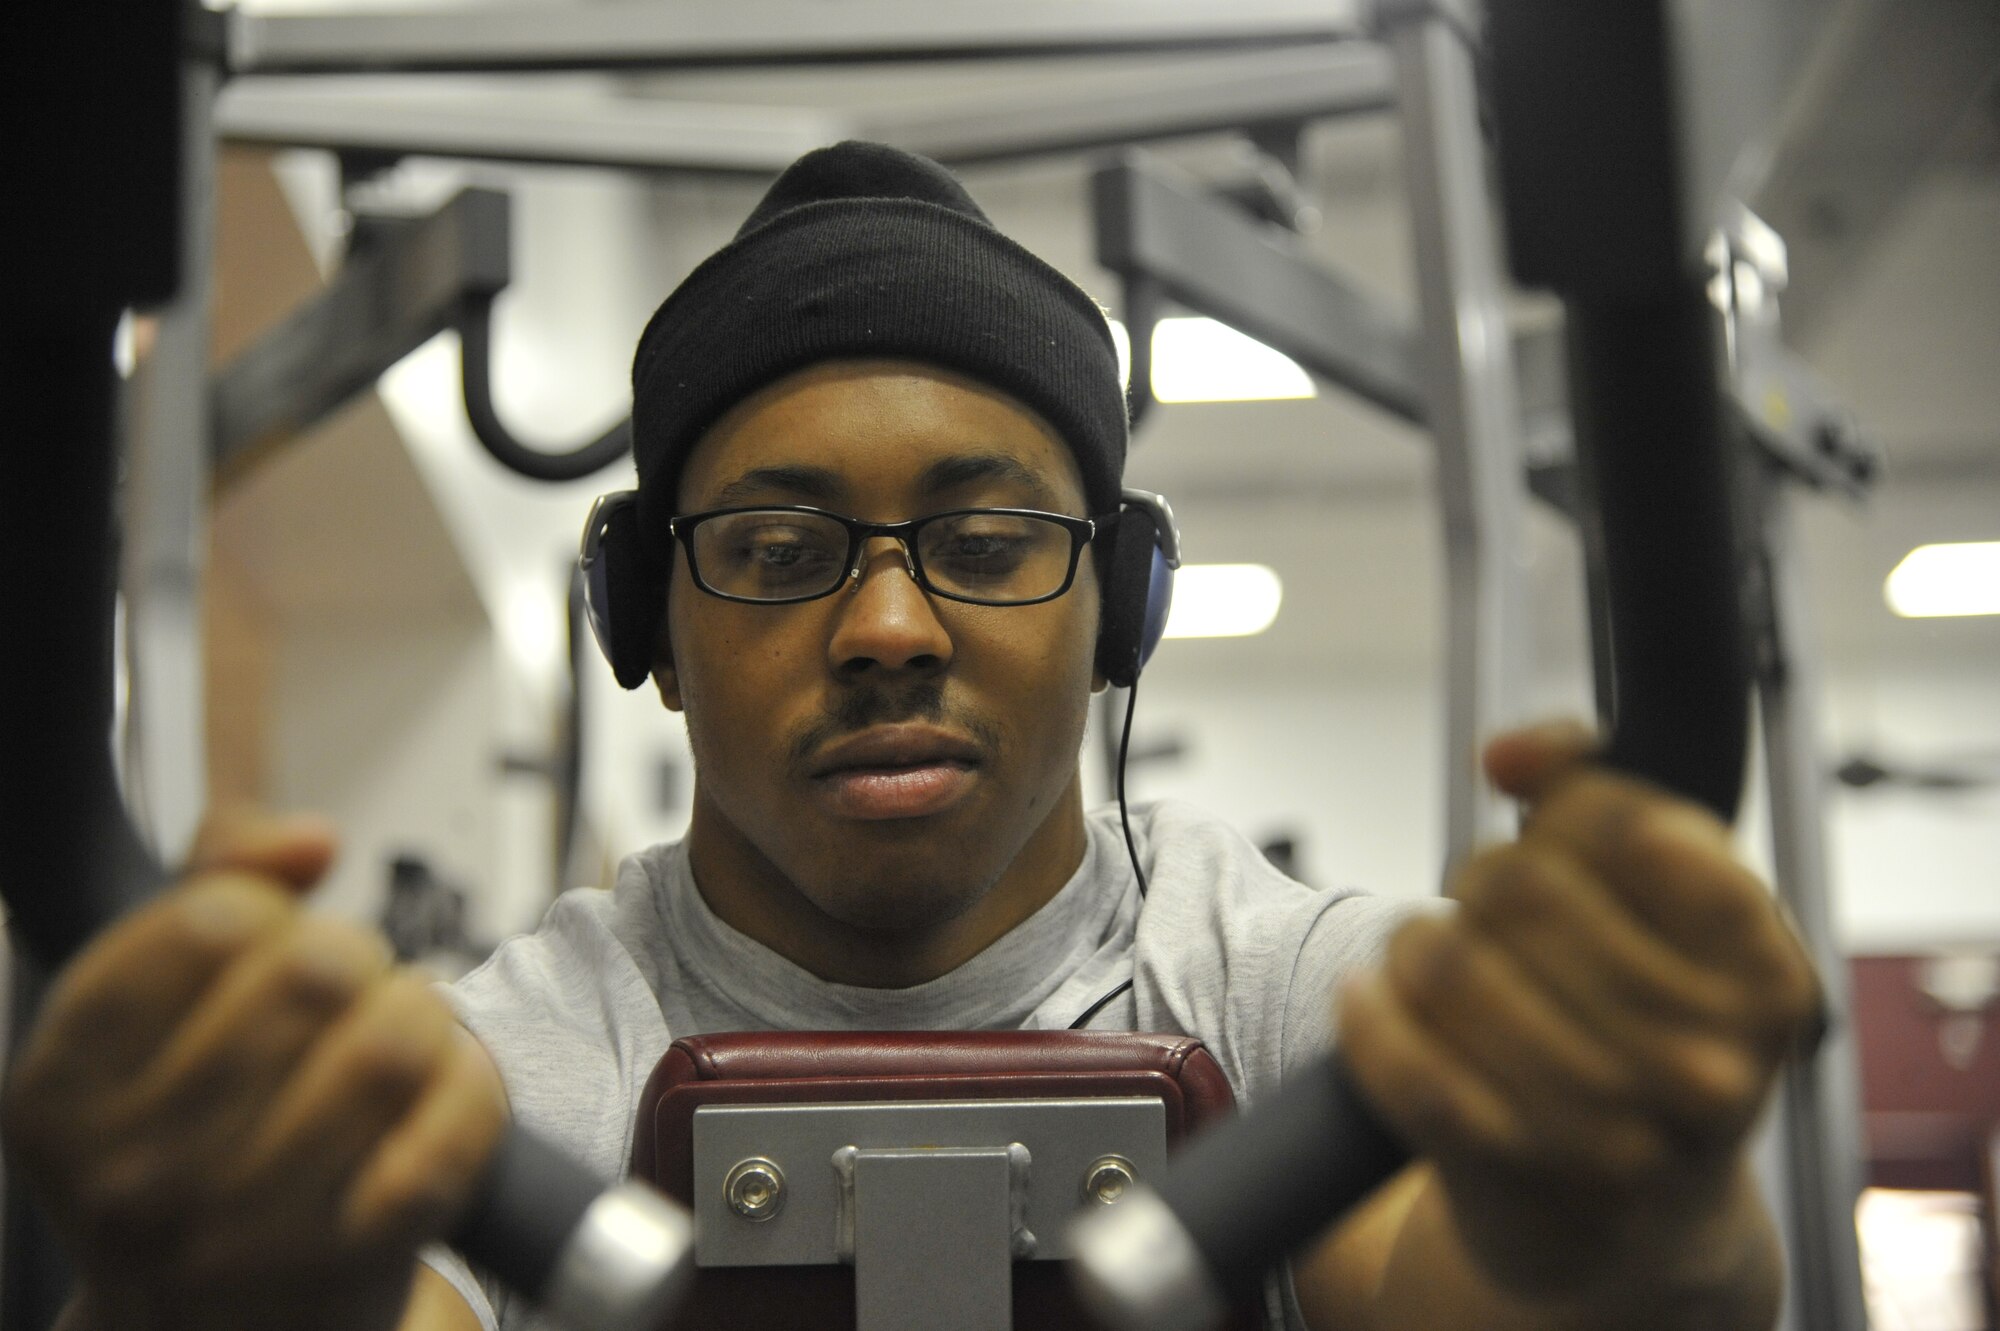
1214	93
622	133
1226	91
1210	256
652	34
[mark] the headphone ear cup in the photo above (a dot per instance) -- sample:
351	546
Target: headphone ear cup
633	597
1159	600
1123	614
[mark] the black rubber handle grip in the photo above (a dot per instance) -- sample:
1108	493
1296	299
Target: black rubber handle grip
524	1211
1259	1186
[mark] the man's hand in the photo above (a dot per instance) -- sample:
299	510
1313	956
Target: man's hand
240	1115
1581	1048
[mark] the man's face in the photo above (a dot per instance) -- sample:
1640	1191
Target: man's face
885	754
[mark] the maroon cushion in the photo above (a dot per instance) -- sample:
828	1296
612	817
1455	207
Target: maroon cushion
792	1067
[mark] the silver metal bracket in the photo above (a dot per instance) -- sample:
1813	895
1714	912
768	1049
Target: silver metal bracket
902	1190
908	1213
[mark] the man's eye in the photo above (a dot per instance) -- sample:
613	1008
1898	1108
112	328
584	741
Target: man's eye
779	554
971	545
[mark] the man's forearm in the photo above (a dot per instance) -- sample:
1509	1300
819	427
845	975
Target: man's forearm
1406	1267
1725	1278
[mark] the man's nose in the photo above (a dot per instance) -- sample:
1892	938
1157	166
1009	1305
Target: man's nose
884	619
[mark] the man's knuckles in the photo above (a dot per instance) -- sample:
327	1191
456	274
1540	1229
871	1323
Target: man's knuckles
322	964
165	954
1431	965
423	1175
1519	888
1709	1086
401	1040
1440	1105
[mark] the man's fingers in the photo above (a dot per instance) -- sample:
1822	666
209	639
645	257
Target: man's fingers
362	1077
1524	763
1586	948
1673	866
122	996
1437	1104
423	1174
248	1034
295	849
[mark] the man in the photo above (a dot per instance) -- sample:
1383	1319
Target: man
879	449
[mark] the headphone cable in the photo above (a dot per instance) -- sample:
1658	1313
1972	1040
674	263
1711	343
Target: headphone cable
1124	814
1131	849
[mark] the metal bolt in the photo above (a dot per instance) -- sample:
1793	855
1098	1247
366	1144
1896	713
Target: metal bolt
1108	1179
755	1189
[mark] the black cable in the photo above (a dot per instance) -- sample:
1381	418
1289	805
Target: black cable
1098	1007
1124	814
1131	849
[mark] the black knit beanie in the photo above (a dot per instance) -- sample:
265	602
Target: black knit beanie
861	250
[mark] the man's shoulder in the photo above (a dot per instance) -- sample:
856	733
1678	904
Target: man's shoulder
1210	888
589	937
1187	850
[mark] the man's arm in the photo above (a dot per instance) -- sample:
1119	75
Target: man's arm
1576	1056
1398	1262
434	1306
239	1115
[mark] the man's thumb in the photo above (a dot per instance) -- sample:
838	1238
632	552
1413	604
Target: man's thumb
1524	763
296	849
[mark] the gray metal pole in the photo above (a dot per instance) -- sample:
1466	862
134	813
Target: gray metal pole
1818	1119
164	502
1470	402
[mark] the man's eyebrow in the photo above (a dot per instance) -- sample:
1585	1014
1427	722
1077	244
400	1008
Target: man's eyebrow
816	483
969	468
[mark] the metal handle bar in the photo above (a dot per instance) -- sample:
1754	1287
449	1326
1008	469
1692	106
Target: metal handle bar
1654	469
71	861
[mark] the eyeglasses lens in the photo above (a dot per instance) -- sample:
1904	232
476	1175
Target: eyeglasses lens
773	555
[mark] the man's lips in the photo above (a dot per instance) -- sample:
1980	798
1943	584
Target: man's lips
904	771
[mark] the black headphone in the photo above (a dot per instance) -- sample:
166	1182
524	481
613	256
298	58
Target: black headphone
624	584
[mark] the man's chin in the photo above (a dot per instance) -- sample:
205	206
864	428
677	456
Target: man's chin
894	905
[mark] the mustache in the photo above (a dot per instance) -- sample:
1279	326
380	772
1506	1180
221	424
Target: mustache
859	708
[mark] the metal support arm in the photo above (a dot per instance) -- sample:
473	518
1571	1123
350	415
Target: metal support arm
1208	255
404	281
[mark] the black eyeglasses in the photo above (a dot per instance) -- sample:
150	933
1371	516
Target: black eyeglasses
985	556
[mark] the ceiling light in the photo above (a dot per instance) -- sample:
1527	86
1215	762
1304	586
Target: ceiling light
1223	600
1934	580
1200	360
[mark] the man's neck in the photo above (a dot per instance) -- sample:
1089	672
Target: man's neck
750	893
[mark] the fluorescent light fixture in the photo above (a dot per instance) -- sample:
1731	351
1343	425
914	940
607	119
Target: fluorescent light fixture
1223	600
1200	360
1937	580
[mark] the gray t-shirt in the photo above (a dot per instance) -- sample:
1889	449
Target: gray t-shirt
1223	946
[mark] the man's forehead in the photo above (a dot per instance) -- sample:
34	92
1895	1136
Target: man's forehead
940	477
845	433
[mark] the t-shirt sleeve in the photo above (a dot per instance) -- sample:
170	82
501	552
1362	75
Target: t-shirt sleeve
460	1277
1232	950
574	1030
1347	937
573	1027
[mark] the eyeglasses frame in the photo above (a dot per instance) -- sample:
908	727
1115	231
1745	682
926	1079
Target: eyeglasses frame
1082	531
